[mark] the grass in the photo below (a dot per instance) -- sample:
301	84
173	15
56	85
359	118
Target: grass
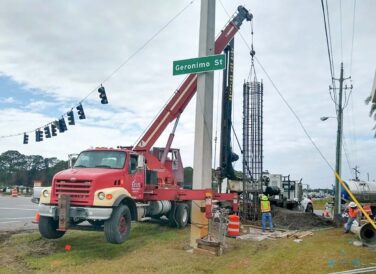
158	249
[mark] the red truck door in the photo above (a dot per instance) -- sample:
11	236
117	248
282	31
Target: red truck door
136	177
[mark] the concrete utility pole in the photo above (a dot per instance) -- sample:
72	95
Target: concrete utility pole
202	170
337	198
337	206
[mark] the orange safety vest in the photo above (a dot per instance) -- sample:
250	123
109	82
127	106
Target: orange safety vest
265	206
353	212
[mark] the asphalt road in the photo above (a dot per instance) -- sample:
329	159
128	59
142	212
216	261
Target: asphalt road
16	213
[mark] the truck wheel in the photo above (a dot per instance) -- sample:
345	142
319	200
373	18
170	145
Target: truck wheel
309	208
181	215
117	228
47	228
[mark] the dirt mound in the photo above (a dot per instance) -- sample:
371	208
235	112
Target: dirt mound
295	220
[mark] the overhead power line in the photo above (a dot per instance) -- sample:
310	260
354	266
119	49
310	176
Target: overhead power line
327	40
352	37
328	36
340	26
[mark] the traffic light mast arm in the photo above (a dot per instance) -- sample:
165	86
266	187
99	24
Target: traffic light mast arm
187	90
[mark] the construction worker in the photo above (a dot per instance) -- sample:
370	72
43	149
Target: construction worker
353	213
266	213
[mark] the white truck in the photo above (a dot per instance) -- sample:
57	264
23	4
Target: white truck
286	193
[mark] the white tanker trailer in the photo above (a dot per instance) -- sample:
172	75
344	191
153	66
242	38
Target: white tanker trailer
364	192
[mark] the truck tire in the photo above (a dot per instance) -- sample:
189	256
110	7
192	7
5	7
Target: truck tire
181	215
309	208
47	228
117	228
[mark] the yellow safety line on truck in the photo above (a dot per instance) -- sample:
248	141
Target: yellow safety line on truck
355	200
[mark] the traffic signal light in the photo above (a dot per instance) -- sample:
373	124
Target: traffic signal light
53	128
102	95
70	118
38	135
62	125
47	132
26	139
80	112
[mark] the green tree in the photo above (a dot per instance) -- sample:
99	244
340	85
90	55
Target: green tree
19	169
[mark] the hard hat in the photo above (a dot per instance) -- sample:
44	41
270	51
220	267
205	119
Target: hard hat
264	198
352	204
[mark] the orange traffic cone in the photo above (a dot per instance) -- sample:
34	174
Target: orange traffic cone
37	217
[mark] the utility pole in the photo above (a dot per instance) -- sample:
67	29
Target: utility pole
202	159
356	171
337	198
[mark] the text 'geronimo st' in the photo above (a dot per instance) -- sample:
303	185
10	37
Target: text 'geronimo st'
201	64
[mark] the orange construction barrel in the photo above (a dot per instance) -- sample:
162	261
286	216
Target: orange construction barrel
233	226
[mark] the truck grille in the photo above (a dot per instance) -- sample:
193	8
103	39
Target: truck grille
78	190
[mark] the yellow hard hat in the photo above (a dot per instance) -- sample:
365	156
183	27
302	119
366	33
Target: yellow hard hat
264	198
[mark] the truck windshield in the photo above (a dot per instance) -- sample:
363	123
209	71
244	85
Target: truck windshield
100	159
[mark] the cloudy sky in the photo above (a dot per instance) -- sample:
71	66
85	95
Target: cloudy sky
54	53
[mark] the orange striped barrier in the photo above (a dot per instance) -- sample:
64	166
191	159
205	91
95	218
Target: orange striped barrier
233	226
14	192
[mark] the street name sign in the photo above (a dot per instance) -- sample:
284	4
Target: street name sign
198	65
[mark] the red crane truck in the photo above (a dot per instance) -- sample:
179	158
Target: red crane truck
109	187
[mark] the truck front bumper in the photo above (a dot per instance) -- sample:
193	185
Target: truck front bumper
87	213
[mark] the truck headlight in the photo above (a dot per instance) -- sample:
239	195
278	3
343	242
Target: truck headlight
45	193
101	195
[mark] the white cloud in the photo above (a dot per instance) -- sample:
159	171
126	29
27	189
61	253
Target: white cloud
38	106
9	100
